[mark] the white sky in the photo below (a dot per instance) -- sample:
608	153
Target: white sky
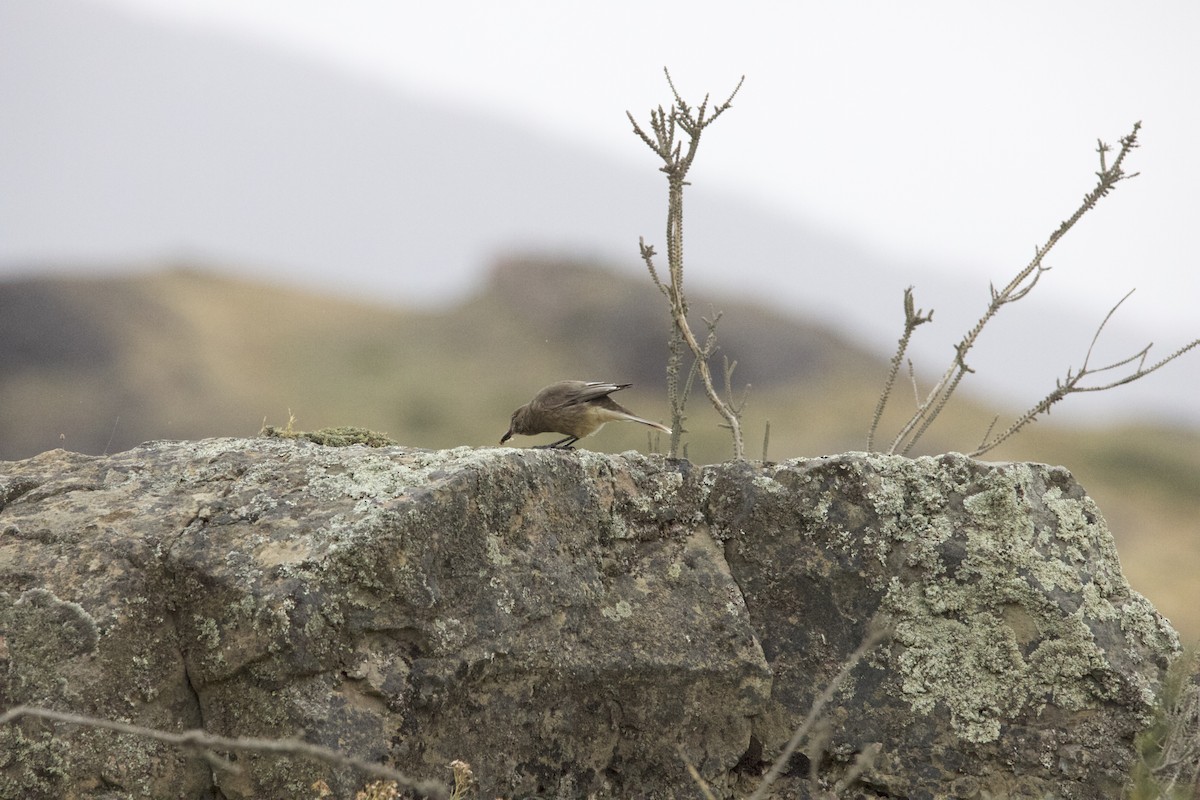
952	132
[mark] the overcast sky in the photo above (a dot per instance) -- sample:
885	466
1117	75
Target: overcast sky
956	133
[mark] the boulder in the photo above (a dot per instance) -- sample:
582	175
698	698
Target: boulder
571	624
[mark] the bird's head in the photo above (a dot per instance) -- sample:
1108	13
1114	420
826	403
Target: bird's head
516	424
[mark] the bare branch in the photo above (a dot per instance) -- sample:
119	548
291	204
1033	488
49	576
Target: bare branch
648	256
864	762
205	742
991	427
1021	284
1071	384
701	784
912	318
1100	329
878	631
676	163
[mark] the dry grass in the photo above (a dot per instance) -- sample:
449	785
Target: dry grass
1168	752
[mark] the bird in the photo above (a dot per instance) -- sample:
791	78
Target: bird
575	408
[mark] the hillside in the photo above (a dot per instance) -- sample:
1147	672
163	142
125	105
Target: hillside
105	364
101	365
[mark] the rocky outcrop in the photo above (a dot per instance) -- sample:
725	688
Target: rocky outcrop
571	624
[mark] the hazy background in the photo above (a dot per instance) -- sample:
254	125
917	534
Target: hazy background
391	150
410	216
949	134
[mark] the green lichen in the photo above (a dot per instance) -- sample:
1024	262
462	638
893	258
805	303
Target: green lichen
32	765
44	637
61	627
340	436
618	611
967	624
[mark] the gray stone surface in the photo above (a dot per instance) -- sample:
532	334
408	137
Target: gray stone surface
571	624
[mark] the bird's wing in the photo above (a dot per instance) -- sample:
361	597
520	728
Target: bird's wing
593	390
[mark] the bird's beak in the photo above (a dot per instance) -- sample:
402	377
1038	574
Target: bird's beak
506	436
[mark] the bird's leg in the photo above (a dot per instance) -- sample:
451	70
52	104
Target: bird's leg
565	443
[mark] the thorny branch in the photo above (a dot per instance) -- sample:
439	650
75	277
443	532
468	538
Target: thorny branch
928	409
676	164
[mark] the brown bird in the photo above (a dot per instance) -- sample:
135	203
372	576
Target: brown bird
576	408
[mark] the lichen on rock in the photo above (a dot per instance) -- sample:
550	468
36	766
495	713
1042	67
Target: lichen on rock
568	622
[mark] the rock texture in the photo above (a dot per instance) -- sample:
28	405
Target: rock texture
571	624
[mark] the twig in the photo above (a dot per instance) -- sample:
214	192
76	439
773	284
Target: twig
912	318
1071	383
695	773
204	741
878	631
864	762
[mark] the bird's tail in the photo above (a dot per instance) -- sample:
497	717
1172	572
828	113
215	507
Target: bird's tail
662	428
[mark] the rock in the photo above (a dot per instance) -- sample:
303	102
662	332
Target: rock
572	624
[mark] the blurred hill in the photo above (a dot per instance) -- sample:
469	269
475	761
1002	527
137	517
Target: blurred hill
99	365
127	139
